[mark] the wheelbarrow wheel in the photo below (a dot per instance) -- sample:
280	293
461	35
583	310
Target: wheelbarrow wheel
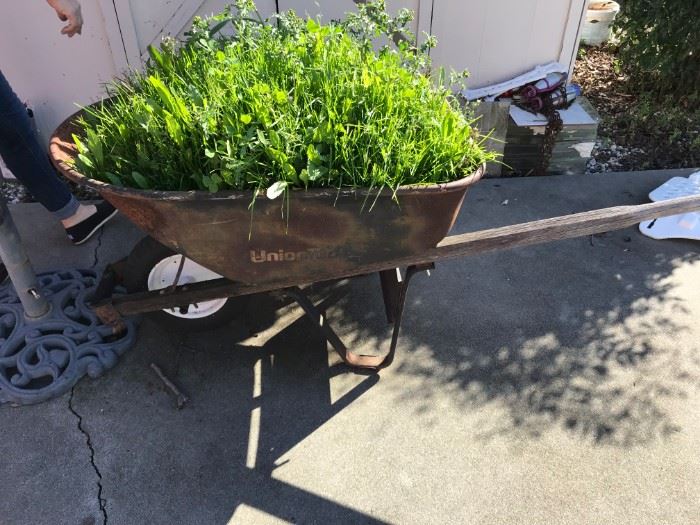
152	266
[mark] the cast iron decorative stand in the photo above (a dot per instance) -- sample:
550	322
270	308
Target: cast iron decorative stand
49	336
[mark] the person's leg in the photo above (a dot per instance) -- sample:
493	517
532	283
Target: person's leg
27	160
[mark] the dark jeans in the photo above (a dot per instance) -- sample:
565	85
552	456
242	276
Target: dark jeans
27	160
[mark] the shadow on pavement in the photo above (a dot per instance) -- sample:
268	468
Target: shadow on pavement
249	406
589	335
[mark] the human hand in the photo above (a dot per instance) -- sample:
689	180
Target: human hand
68	11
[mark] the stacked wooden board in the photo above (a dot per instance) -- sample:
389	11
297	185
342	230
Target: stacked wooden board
572	149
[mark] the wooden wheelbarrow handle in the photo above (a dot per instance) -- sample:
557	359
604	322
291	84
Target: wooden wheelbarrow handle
559	228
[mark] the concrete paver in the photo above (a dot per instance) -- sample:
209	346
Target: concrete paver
550	384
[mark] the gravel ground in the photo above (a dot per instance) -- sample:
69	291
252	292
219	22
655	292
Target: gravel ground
608	156
13	191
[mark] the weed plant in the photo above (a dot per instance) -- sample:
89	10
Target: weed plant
252	104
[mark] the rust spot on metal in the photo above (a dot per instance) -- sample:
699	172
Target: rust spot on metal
110	317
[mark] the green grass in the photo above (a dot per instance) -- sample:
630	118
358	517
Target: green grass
281	103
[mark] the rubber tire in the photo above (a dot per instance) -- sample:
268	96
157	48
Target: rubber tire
145	255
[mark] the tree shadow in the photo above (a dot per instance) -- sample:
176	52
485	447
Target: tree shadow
591	337
588	335
254	396
575	336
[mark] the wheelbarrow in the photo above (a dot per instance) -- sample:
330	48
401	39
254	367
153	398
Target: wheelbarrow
205	249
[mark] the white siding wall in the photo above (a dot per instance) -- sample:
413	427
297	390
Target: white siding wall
495	40
154	19
499	39
48	70
335	9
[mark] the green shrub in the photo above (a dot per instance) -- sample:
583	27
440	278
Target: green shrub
668	132
659	45
277	104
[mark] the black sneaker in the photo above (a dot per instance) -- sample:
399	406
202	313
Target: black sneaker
82	231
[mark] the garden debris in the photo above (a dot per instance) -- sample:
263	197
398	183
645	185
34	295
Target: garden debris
525	117
636	131
490	93
181	398
533	105
570	149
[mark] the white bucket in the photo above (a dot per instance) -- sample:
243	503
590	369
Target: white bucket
597	28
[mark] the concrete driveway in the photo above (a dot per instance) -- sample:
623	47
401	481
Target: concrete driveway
551	384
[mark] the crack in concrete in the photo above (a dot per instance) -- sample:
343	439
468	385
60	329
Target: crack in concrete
102	501
98	245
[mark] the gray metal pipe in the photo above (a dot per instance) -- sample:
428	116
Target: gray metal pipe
19	267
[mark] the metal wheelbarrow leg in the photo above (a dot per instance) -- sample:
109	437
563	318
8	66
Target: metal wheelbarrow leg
110	308
394	291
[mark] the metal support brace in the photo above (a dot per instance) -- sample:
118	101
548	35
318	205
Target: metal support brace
394	290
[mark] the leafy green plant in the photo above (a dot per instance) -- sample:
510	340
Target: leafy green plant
659	45
246	103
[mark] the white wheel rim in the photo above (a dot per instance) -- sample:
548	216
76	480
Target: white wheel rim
163	275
